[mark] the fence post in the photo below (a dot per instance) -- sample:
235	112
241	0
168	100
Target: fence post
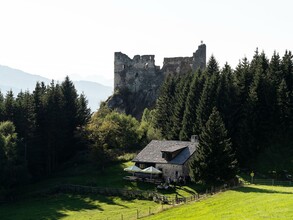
273	182
149	210
121	216
137	215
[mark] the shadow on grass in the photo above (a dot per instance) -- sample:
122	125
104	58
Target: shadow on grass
52	207
56	206
251	189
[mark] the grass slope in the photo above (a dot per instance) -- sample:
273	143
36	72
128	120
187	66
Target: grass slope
249	202
35	205
71	207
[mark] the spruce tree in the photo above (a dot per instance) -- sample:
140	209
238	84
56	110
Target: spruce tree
181	94
9	106
164	107
207	101
189	117
83	112
227	98
214	160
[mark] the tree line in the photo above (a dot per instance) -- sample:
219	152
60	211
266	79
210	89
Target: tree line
246	112
39	131
255	102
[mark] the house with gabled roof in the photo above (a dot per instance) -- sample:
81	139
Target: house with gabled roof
171	157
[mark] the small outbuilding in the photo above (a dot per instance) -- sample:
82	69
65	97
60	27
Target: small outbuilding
170	157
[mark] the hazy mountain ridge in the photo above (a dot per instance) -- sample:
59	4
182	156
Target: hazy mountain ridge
18	80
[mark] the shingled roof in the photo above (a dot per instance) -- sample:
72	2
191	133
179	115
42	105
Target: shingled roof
152	153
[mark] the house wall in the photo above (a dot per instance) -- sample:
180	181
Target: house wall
169	170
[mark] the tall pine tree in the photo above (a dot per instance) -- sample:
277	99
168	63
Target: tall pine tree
214	160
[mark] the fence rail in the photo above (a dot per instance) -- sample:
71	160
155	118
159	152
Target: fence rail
165	201
128	193
272	182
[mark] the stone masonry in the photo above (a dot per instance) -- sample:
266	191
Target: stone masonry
137	81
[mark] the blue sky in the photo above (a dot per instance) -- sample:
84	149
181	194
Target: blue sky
55	38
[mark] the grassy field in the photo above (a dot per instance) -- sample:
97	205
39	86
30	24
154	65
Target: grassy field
34	205
249	202
71	207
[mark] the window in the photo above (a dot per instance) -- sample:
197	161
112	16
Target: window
142	166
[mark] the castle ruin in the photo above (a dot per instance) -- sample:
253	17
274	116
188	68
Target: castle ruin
137	81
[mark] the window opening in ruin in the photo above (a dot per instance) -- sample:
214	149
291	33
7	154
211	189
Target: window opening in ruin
136	75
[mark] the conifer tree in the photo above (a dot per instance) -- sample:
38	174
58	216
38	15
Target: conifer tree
164	107
181	94
9	106
83	112
208	98
189	117
275	69
69	111
214	160
285	108
207	101
227	98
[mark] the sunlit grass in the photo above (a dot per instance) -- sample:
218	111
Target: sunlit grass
77	207
36	205
249	202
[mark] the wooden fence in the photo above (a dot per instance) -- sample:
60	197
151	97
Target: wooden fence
166	202
172	202
272	182
126	193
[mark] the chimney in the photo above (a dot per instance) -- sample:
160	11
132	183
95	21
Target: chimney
194	139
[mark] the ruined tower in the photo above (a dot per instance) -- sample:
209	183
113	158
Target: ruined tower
137	81
137	74
199	57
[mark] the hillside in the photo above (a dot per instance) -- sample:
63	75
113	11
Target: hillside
18	80
249	202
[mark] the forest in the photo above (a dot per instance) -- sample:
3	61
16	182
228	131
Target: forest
39	131
255	102
252	104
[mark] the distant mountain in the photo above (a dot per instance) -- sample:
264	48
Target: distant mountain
95	92
18	80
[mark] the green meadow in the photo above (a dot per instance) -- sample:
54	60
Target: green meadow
248	202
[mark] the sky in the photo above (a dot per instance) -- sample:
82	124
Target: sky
78	38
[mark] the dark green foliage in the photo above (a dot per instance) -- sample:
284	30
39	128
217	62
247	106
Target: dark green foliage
13	170
214	161
49	124
189	116
147	127
83	112
207	101
111	133
165	107
180	97
255	102
9	106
